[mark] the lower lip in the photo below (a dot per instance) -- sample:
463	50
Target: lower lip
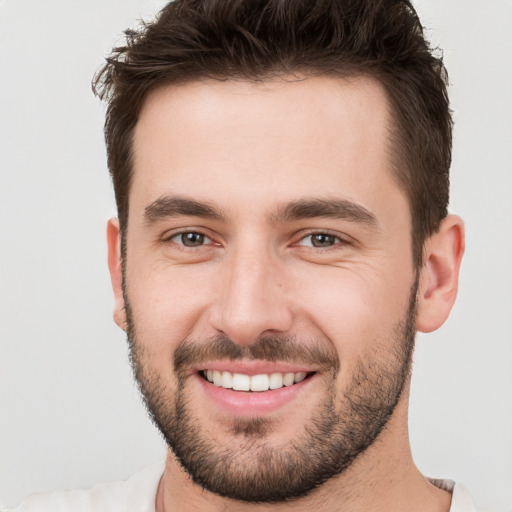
252	403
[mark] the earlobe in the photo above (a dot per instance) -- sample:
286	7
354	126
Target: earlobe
440	274
116	272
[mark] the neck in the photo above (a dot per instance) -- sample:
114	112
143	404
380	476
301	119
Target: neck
382	478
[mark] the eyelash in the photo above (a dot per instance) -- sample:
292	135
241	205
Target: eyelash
186	232
338	241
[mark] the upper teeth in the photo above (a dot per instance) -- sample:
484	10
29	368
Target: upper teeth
262	382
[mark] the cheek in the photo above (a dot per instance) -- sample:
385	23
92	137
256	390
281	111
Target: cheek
353	309
352	306
167	303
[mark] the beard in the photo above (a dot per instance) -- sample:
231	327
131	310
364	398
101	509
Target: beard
343	425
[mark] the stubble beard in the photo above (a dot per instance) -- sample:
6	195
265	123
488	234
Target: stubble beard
340	429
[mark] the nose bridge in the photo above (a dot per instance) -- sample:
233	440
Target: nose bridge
251	298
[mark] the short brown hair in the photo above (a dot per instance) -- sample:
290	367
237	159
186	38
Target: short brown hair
259	39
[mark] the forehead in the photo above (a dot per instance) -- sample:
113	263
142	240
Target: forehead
264	141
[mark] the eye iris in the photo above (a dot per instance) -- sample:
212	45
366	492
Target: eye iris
322	240
192	239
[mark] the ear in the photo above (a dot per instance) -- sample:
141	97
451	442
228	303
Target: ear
440	274
116	273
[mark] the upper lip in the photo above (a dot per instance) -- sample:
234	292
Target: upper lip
252	367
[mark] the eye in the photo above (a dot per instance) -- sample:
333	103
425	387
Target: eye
190	239
319	240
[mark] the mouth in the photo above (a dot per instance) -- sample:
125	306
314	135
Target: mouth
253	390
254	383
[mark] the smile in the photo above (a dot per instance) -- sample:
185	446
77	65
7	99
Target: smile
260	382
252	388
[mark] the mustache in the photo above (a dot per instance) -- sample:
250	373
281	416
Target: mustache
273	349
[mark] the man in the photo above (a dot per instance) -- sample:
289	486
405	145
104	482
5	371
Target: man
281	177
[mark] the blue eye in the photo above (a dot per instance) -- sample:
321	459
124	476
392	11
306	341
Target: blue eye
319	240
190	239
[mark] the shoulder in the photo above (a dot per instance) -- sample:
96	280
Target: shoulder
461	500
137	494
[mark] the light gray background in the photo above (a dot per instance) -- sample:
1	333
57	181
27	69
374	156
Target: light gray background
70	413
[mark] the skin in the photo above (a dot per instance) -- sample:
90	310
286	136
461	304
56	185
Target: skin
250	149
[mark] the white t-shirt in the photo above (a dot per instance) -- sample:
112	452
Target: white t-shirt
138	494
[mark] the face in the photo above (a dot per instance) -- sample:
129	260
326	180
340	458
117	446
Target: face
269	289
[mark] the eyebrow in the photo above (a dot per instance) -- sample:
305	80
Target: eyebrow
174	206
326	208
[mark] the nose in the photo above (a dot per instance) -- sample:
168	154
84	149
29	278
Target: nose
251	298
